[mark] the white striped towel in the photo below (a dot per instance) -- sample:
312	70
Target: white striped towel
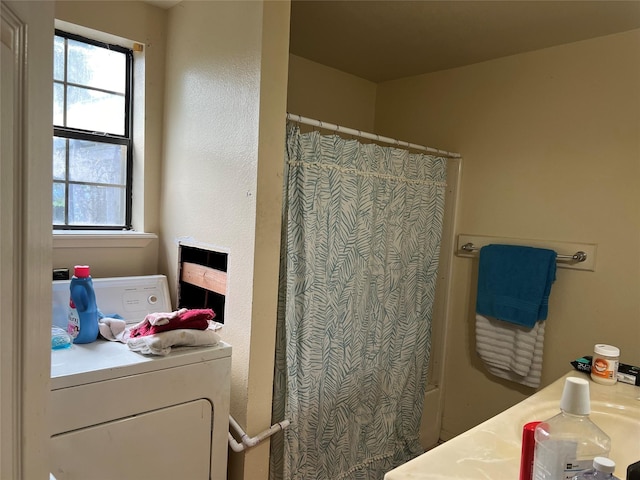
511	351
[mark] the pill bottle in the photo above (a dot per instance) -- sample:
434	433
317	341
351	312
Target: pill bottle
604	365
603	469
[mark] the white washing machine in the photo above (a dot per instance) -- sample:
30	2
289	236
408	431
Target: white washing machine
117	414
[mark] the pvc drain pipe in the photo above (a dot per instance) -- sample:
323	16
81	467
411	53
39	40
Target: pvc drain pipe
246	441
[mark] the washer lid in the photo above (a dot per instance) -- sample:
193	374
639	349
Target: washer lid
104	360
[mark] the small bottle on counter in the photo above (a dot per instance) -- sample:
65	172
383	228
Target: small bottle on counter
567	443
603	468
604	365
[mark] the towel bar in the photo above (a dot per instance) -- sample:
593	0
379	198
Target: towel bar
576	257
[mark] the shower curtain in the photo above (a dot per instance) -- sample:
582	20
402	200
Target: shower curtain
360	244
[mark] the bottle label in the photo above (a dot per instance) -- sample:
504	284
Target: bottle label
556	460
73	325
603	368
574	467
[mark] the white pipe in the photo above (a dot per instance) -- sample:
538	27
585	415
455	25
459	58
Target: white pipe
246	440
235	446
370	136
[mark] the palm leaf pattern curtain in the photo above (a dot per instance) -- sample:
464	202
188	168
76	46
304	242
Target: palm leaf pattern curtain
360	245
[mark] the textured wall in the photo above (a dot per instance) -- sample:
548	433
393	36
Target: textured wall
223	154
550	146
146	24
327	94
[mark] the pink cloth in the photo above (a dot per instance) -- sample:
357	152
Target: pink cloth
197	319
162	318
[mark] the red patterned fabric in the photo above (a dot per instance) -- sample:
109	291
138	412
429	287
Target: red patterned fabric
197	319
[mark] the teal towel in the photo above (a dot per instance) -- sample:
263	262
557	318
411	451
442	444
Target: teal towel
514	283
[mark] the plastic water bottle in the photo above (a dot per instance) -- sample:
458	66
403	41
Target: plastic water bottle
603	468
83	311
567	443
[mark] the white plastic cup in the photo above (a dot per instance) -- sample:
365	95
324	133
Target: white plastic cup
575	396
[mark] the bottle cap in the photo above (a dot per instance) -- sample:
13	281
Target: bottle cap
606	350
604	464
81	271
575	397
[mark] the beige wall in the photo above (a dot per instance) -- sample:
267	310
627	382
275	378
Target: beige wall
273	97
108	254
145	24
222	171
551	150
327	94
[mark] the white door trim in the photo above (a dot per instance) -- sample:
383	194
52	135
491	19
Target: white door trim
12	58
25	237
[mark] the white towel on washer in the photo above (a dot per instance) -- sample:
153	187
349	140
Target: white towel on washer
113	329
161	343
510	351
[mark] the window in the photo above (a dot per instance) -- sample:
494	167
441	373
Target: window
92	147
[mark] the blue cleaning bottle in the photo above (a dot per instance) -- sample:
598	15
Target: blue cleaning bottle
83	311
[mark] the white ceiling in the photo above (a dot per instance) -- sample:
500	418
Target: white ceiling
384	40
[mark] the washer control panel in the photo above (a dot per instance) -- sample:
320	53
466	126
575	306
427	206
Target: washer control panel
132	298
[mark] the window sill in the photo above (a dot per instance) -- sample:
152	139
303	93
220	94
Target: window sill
101	239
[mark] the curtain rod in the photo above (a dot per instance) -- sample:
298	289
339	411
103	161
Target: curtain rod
370	136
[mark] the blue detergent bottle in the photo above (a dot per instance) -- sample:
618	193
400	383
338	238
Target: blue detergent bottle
83	311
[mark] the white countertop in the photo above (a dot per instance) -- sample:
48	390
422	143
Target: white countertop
491	450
